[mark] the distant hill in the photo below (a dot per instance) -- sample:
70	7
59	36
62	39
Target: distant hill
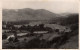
27	14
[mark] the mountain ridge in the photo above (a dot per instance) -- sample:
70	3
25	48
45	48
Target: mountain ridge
27	14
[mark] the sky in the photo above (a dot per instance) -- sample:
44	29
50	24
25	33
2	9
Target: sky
57	6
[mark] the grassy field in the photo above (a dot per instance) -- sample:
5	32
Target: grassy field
72	43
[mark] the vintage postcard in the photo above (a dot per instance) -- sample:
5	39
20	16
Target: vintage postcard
40	24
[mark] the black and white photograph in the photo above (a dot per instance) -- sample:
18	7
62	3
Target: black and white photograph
40	24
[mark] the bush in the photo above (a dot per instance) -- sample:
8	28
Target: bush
74	27
4	36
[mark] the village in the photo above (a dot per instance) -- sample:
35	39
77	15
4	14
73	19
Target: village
36	34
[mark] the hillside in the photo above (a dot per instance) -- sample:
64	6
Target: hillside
27	14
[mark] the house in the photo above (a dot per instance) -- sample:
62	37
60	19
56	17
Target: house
20	34
35	23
